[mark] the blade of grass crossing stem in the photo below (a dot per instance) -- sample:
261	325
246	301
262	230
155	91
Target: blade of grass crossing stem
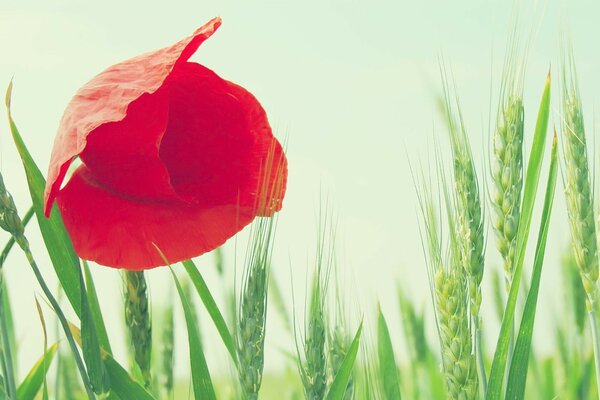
92	297
122	384
91	346
202	383
517	377
495	385
29	388
337	390
211	306
387	362
11	242
56	239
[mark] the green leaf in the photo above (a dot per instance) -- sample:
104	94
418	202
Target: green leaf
32	383
91	347
517	377
202	383
56	239
337	390
121	383
94	304
211	306
388	371
530	190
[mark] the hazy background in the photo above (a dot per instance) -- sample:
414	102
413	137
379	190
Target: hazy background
352	86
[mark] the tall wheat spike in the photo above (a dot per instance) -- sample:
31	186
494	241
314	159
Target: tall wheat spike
507	158
579	194
139	322
468	218
252	306
450	292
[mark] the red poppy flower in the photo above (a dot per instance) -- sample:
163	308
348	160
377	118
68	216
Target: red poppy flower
173	157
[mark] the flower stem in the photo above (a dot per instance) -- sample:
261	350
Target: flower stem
61	317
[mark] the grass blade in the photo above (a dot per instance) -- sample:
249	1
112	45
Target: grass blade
56	239
388	371
91	347
32	383
517	377
211	306
7	345
122	384
337	390
494	391
92	298
202	383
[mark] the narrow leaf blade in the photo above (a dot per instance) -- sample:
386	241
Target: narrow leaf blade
211	306
56	239
388	371
517	377
202	383
32	383
92	297
337	390
495	385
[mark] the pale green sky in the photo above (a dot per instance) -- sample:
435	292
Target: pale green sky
350	84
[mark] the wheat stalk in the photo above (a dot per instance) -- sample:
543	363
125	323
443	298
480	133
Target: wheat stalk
450	292
580	199
468	218
507	177
138	321
168	350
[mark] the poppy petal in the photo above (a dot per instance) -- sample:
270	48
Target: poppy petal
218	140
107	97
122	233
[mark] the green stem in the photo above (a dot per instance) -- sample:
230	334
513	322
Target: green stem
62	319
10	243
6	352
596	339
479	356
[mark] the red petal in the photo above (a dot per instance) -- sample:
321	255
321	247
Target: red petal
123	155
119	232
107	97
218	141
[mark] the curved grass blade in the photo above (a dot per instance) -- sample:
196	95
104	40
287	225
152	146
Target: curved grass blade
56	239
92	298
517	377
11	242
91	347
211	306
388	371
32	383
534	165
337	390
202	383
